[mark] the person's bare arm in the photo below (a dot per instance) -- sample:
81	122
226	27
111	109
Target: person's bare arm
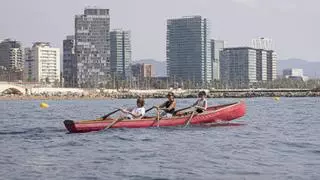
172	106
203	107
161	105
194	104
135	115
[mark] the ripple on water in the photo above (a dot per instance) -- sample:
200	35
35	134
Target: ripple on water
279	141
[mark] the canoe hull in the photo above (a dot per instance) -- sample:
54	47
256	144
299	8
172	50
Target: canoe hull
219	113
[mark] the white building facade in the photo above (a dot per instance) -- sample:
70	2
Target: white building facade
295	74
262	43
42	63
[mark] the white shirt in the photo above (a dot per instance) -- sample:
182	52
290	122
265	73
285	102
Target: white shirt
137	110
201	103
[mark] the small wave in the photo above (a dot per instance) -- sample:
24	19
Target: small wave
121	138
146	139
297	144
36	130
315	151
227	124
246	173
25	131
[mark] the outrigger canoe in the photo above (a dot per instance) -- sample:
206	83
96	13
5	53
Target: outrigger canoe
213	114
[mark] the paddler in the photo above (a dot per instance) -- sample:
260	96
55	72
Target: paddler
167	107
135	113
201	104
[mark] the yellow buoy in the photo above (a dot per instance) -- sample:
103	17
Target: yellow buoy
44	105
276	98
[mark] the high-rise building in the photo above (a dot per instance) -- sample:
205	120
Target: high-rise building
261	65
216	47
238	67
189	49
92	47
69	62
29	66
42	63
11	55
262	43
271	65
120	53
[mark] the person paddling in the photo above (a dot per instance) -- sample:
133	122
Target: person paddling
136	112
201	103
168	107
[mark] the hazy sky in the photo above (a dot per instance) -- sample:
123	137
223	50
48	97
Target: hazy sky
292	24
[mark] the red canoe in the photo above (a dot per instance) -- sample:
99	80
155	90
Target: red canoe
213	114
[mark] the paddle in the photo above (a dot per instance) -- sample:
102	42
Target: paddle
113	122
107	115
120	119
175	112
118	109
158	118
189	120
150	109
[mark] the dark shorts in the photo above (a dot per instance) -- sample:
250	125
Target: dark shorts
199	111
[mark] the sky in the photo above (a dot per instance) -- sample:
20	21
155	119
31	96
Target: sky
293	25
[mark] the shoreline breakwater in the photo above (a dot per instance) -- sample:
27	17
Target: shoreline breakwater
63	93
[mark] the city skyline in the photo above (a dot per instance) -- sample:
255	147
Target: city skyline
281	21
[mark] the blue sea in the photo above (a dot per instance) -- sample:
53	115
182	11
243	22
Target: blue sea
277	140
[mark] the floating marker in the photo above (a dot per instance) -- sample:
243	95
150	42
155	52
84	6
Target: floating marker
44	105
276	98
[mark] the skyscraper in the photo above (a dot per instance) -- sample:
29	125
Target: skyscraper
69	62
271	65
189	49
42	63
216	47
29	72
120	60
261	65
238	67
11	55
92	47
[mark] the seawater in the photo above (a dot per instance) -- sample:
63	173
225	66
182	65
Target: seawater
278	140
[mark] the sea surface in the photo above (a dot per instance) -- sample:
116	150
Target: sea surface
277	140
